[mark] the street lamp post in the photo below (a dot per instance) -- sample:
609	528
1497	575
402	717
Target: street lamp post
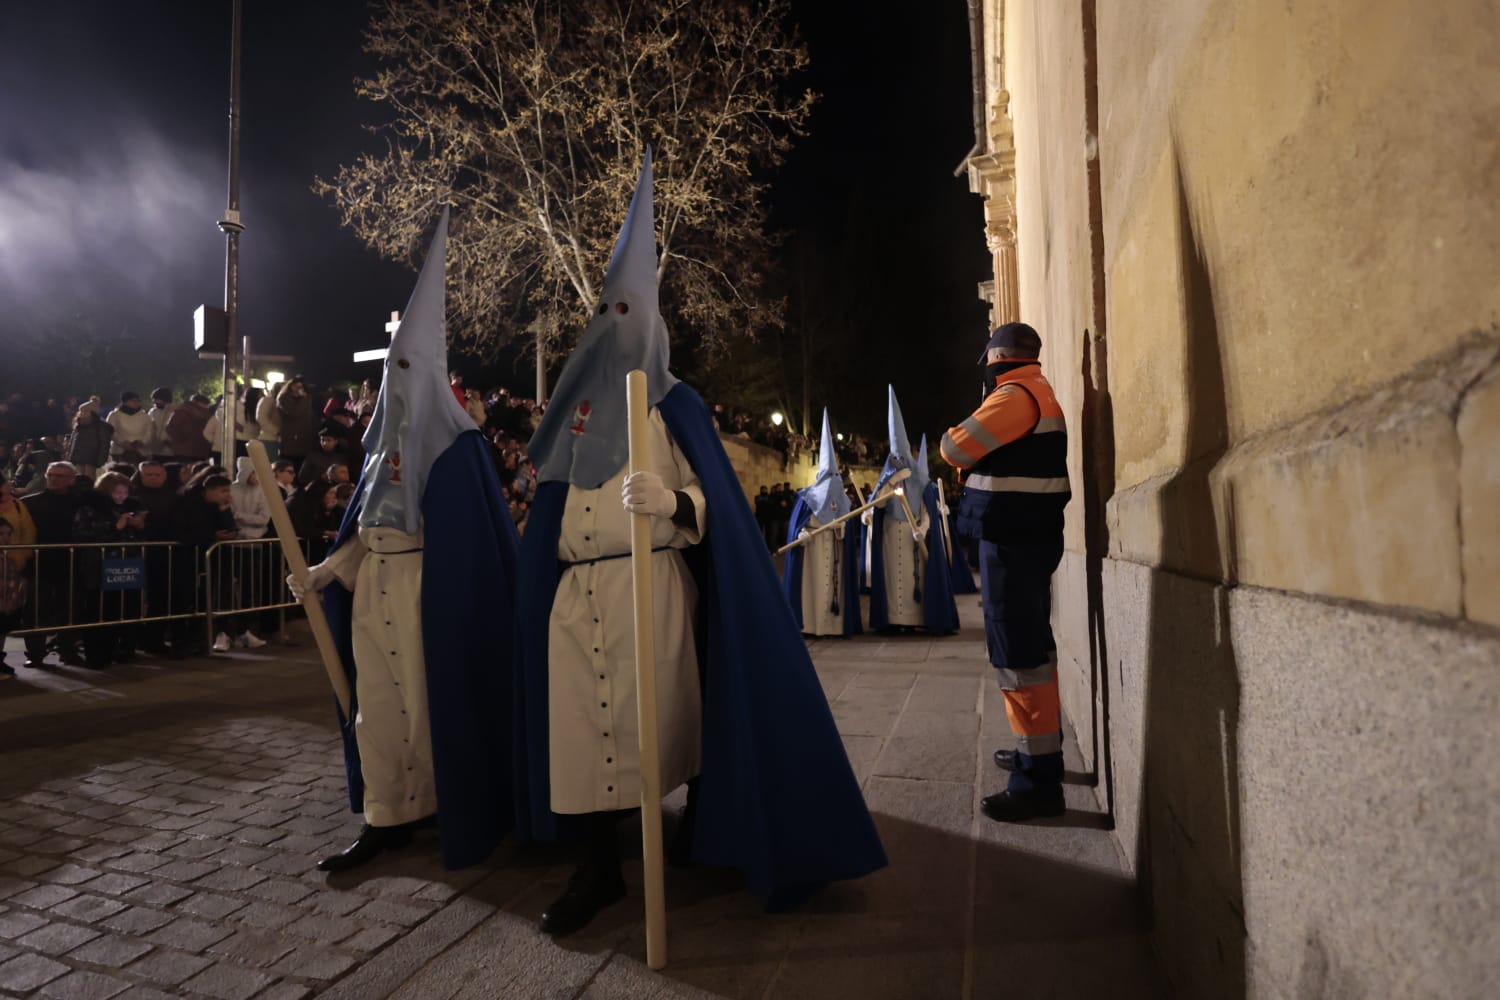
232	227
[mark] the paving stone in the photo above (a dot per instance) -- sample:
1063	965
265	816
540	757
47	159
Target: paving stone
26	972
268	916
388	911
256	835
184	871
158	894
10	885
312	962
111	950
255	947
231	879
57	938
167	967
211	905
138	861
188	934
324	928
81	985
240	854
197	850
286	991
229	982
337	903
88	909
370	939
137	920
30	866
43	897
114	884
17	923
97	853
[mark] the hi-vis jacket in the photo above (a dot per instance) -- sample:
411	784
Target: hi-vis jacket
1016	448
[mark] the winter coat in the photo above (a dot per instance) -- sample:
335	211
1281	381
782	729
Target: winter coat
299	435
88	445
251	513
185	431
130	427
268	416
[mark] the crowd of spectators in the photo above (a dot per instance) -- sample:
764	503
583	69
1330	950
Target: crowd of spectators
73	471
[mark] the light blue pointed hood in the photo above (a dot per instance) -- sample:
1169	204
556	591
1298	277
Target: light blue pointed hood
826	496
583	437
901	458
416	416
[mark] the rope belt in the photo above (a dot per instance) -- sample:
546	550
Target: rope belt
618	555
398	552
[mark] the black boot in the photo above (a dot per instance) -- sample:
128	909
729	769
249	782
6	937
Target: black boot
1005	760
596	884
372	840
1018	807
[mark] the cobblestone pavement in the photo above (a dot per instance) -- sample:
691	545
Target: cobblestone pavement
159	824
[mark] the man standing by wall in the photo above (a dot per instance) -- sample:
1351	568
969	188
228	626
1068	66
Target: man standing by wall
1015	447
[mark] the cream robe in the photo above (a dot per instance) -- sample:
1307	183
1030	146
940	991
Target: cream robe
905	570
383	567
591	694
822	582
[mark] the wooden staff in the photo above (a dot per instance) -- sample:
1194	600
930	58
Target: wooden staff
912	520
876	501
637	414
295	562
942	503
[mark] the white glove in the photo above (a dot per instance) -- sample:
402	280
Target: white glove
943	509
803	535
868	517
643	493
317	578
918	534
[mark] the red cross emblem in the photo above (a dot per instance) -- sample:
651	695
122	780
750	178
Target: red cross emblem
395	463
581	414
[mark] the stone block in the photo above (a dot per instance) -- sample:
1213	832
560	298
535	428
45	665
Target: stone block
932	746
26	972
17	922
111	951
137	920
857	956
1479	497
57	938
229	982
81	985
187	934
88	909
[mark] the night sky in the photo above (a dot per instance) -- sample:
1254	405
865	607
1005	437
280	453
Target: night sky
113	139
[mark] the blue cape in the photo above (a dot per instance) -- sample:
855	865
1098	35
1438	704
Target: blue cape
939	610
777	798
468	565
849	559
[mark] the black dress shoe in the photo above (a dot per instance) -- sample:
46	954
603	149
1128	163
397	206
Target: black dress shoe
1013	808
1005	760
590	890
372	840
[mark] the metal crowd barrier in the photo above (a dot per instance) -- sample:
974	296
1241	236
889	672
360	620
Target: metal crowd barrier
102	584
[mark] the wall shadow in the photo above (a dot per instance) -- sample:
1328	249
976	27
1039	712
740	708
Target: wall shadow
1189	849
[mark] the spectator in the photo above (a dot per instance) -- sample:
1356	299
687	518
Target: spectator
158	497
12	598
268	419
53	511
474	406
364	403
331	451
255	566
763	515
160	413
133	430
109	514
314	512
185	429
456	383
286	477
203	518
298	430
23	528
88	447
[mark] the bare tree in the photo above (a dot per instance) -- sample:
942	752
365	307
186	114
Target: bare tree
529	118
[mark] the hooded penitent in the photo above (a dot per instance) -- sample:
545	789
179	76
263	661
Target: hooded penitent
429	470
416	417
900	458
583	438
825	498
777	797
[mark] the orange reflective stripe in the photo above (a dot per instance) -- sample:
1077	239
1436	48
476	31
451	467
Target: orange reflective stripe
957	454
1034	711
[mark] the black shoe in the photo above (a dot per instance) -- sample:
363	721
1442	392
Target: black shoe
590	890
70	656
372	840
1005	760
1014	808
6	670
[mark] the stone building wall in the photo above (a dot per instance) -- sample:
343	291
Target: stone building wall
1261	240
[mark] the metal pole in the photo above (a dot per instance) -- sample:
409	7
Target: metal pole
231	227
541	366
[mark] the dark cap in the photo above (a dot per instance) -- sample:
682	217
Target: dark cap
201	399
329	429
127	396
163	394
1017	337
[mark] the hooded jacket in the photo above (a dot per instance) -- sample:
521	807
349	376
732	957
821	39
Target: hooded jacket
251	514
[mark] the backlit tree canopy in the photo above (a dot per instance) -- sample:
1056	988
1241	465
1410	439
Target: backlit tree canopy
529	118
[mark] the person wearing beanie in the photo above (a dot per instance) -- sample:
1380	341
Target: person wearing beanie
132	430
331	451
88	445
1015	448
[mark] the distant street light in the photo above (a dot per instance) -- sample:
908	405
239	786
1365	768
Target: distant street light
274	377
777	418
838	437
